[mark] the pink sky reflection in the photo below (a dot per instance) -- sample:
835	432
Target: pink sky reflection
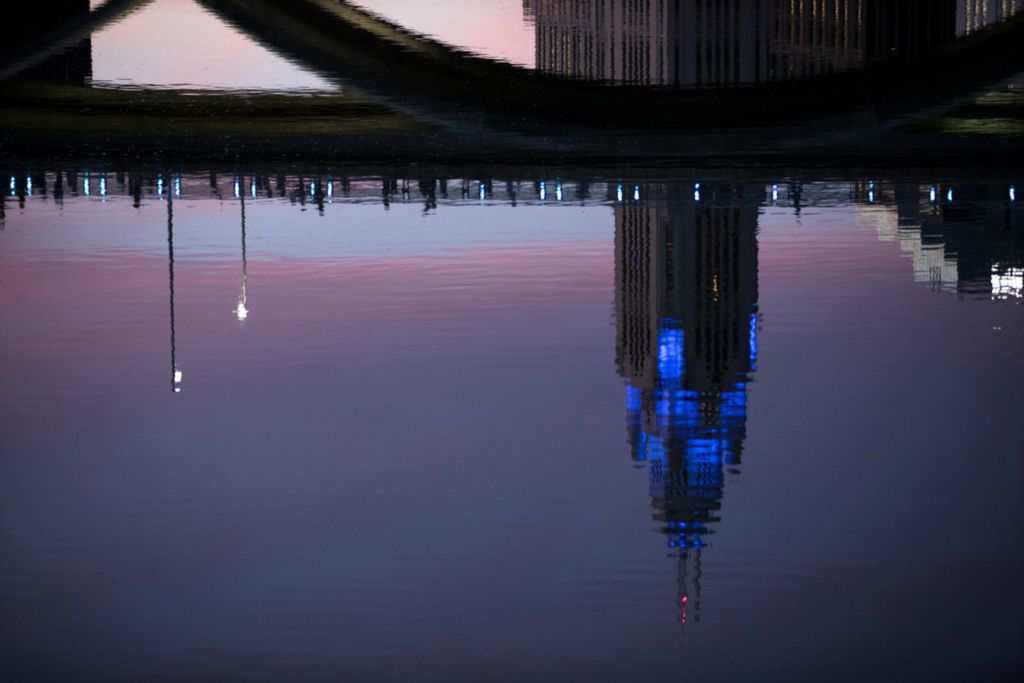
493	28
179	44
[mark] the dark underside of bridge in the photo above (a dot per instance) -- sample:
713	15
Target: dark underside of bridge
406	98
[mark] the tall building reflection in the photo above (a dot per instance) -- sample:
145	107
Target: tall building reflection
686	322
716	43
966	238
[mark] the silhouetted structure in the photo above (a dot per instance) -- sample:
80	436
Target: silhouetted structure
31	27
686	314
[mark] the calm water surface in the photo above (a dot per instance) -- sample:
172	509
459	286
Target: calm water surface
295	427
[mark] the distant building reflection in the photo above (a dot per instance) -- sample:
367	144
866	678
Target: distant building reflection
686	321
716	43
964	238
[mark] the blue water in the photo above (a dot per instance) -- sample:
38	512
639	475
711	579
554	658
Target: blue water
543	427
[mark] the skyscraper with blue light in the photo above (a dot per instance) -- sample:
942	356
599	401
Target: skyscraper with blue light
686	314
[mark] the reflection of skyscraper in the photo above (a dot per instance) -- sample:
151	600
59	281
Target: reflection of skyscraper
686	313
716	43
967	238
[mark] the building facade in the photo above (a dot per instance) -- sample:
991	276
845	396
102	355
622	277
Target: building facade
730	42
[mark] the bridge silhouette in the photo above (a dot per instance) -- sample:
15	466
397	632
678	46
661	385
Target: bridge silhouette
434	100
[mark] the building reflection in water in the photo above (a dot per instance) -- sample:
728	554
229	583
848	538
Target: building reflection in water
686	321
964	238
686	270
721	43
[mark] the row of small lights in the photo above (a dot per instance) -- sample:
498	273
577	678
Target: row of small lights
620	190
87	185
933	193
328	187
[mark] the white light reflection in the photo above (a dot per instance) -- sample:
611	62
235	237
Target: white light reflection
1013	193
618	193
483	191
28	185
177	186
775	193
103	185
177	381
242	311
543	191
933	194
558	191
14	183
1007	283
636	193
949	195
696	192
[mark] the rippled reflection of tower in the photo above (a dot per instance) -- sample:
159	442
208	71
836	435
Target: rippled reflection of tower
686	314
